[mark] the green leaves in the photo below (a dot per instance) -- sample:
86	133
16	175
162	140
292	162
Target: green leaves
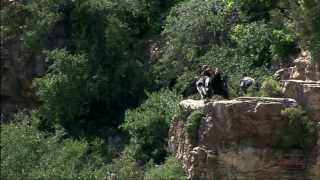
300	131
170	169
63	90
29	153
305	15
148	125
271	88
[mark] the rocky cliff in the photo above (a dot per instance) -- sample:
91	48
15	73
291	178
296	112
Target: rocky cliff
236	139
307	94
18	68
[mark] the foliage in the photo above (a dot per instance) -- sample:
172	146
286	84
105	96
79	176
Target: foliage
96	37
283	45
254	41
305	21
300	131
255	10
191	28
234	87
29	153
148	126
64	89
192	124
170	169
73	97
150	14
271	88
102	67
224	34
32	21
124	168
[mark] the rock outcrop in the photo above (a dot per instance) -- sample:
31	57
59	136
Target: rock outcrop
307	94
235	139
18	68
304	69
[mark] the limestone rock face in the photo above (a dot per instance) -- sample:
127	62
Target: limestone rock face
235	139
304	69
299	71
190	104
307	94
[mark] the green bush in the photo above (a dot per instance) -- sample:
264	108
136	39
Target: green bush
271	88
300	131
148	126
171	169
64	88
192	124
66	92
253	41
124	168
27	153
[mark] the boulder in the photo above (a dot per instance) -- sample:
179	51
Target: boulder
235	139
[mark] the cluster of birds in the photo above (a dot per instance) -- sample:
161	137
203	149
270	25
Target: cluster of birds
212	82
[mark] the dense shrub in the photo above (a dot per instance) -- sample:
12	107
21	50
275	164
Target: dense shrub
227	35
191	29
124	168
98	74
253	40
148	126
300	131
271	88
170	169
105	67
30	154
64	89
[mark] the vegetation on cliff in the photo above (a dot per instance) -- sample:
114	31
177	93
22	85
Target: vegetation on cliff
95	116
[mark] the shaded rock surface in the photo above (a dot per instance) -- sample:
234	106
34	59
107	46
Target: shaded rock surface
307	94
21	64
235	140
18	68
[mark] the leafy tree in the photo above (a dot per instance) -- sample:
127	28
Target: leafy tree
223	34
149	14
148	126
29	153
103	75
192	28
255	10
305	20
64	90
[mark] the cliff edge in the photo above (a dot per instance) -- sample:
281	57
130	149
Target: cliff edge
235	139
